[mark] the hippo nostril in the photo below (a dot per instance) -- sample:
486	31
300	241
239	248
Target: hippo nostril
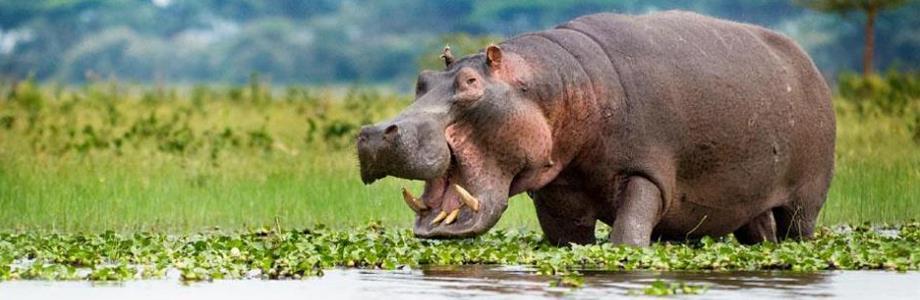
391	132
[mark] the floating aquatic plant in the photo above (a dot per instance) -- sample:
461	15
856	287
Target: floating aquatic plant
272	254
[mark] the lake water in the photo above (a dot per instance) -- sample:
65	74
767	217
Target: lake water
485	282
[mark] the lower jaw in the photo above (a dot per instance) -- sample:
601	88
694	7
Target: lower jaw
459	229
442	223
468	224
446	195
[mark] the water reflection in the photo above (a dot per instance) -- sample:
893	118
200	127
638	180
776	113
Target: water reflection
773	284
485	282
517	280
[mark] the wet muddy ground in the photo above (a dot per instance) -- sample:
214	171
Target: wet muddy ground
487	282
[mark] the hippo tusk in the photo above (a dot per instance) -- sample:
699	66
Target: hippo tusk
467	199
414	203
438	218
452	216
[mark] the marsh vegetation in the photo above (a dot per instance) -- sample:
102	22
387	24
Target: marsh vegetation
112	181
115	156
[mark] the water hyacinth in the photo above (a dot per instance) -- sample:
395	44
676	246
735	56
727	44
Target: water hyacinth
294	254
661	288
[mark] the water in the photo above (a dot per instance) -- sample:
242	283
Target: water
485	282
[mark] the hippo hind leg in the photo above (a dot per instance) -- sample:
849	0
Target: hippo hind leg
797	219
762	228
566	216
795	222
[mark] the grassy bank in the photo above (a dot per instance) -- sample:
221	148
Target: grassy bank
111	157
108	157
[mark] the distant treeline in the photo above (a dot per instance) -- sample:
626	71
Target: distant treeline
326	41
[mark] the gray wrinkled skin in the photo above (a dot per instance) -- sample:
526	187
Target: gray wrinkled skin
665	126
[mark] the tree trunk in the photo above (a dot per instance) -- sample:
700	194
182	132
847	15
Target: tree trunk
870	40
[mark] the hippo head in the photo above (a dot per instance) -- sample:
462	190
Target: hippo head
473	135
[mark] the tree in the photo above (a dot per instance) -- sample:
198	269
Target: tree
870	7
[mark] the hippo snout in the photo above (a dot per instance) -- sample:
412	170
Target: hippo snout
405	148
376	145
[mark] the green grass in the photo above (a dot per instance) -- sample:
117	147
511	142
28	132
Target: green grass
244	158
162	192
877	177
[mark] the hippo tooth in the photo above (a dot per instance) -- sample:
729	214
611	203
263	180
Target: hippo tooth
452	216
438	218
414	203
467	199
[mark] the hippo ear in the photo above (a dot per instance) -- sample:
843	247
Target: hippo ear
494	56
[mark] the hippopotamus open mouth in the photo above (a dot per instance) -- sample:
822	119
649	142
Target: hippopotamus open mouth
444	200
471	136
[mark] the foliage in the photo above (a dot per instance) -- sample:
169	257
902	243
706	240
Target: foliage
283	254
572	279
326	41
661	288
893	93
876	147
110	155
871	10
122	118
847	6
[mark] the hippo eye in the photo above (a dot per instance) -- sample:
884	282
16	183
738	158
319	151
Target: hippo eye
467	86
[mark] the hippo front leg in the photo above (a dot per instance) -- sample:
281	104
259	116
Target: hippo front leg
566	215
637	214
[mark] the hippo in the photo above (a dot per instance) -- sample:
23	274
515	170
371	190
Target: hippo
664	126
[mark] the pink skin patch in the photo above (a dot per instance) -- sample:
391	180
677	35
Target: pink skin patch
438	193
440	196
478	173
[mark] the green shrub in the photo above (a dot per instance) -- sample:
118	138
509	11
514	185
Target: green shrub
893	94
108	116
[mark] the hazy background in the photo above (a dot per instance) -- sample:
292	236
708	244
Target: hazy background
373	42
